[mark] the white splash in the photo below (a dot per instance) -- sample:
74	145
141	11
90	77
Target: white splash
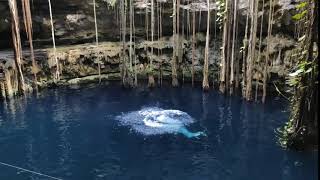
154	121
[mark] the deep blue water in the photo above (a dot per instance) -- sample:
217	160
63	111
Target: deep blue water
72	133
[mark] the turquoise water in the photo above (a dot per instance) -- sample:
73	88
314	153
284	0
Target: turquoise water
82	133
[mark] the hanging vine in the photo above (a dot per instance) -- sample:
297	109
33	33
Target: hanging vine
205	82
301	131
27	18
175	82
17	44
56	76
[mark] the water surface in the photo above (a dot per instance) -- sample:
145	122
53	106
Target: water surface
74	134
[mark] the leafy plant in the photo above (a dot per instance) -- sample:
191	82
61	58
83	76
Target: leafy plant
301	6
304	81
221	12
300	15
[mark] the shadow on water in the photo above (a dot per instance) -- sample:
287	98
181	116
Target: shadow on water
73	133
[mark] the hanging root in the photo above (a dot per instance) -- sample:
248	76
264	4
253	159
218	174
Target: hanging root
9	91
151	81
3	90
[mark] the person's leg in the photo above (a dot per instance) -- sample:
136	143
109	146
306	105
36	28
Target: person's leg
189	134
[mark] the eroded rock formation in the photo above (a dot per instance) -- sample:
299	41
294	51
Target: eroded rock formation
79	57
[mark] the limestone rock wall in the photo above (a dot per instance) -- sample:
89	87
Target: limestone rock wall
79	57
74	22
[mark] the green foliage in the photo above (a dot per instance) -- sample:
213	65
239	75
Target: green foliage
299	16
303	69
302	77
221	12
302	7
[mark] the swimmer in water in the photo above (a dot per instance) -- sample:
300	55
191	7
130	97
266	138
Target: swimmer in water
189	134
169	123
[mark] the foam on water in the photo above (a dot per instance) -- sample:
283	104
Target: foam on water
154	120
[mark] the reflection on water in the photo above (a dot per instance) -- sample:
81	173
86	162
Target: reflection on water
73	134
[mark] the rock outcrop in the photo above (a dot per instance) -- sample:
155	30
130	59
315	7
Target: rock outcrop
79	57
74	22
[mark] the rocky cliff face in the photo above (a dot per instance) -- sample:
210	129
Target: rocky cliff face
74	26
74	22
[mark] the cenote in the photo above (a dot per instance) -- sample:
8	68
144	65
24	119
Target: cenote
76	134
159	89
